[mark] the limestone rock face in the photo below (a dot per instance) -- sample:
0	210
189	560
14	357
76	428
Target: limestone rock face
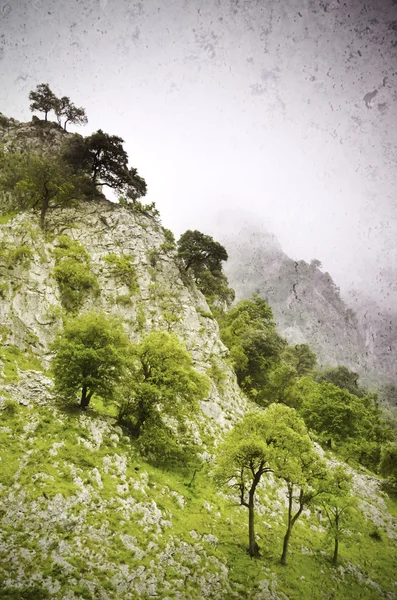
31	307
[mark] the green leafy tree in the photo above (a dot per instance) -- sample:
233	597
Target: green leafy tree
249	451
339	506
388	464
161	380
281	385
43	99
301	358
72	114
200	252
354	425
39	181
298	465
104	159
342	377
203	257
249	331
89	357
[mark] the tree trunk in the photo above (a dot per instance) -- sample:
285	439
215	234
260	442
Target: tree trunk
289	527
335	556
85	398
285	546
43	212
253	546
45	115
44	206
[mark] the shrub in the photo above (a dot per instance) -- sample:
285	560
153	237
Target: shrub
123	270
72	273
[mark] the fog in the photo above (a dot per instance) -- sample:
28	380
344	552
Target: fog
287	110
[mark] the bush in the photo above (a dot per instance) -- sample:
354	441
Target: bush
123	270
72	273
16	255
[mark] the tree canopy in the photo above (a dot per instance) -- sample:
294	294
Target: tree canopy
249	331
160	375
344	420
89	357
104	159
254	447
72	114
44	100
39	181
342	377
203	257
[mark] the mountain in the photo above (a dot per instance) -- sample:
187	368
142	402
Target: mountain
84	514
308	307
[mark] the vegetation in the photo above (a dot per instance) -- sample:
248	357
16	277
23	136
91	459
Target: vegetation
102	157
89	358
73	274
44	100
123	270
103	474
345	421
160	380
271	441
340	507
343	378
203	257
39	181
249	331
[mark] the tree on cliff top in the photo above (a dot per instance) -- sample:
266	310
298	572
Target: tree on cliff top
65	108
43	99
104	159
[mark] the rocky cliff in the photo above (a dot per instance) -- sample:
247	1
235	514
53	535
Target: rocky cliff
31	303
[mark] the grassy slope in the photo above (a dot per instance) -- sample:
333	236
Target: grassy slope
83	516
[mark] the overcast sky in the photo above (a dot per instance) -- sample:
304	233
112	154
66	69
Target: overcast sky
285	108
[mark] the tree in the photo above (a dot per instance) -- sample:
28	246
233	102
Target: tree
249	451
200	252
89	357
104	159
339	506
301	358
65	108
249	331
160	381
44	100
388	464
281	385
342	377
39	181
302	470
203	257
343	419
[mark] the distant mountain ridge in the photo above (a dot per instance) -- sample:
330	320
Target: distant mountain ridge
308	307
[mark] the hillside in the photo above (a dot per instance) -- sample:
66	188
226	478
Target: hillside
84	513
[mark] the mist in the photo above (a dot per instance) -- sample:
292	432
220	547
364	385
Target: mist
284	110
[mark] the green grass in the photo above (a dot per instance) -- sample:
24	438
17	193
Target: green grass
7	217
13	359
97	556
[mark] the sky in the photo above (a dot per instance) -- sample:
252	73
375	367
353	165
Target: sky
283	113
